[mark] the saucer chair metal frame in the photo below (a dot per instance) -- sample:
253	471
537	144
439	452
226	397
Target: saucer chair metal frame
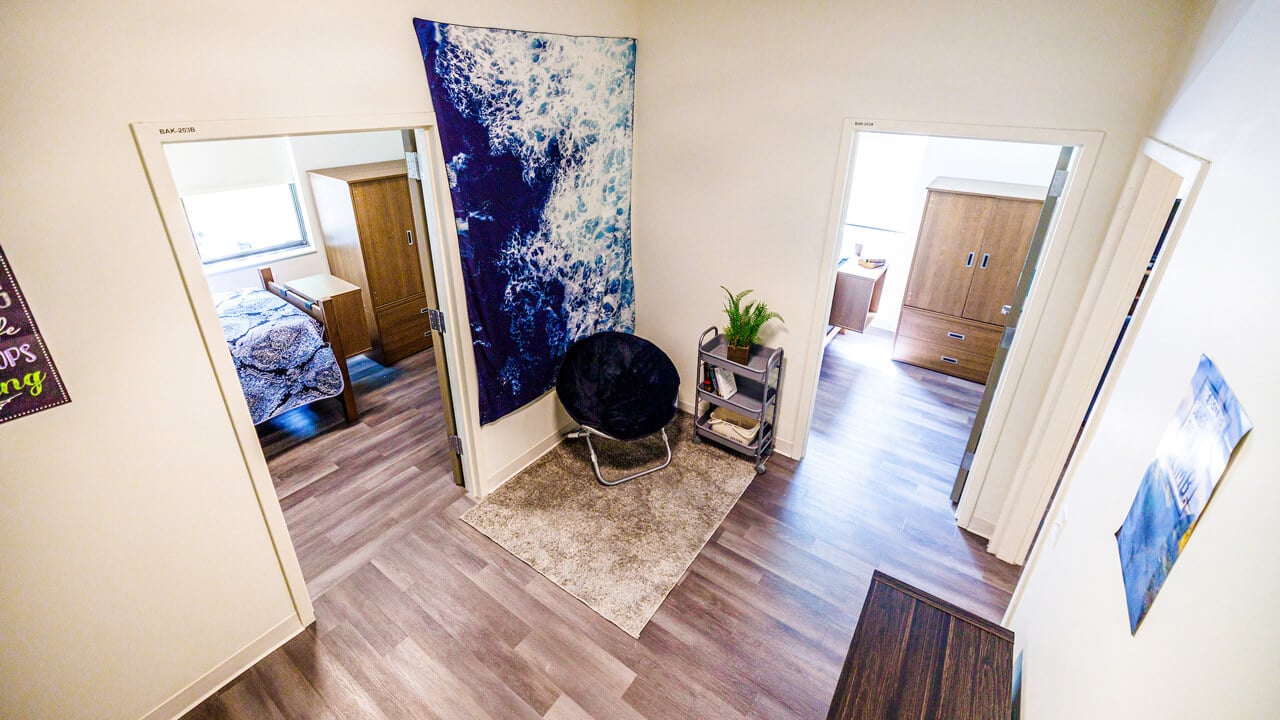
586	432
651	377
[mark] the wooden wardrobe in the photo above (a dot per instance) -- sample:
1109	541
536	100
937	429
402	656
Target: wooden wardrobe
367	221
973	241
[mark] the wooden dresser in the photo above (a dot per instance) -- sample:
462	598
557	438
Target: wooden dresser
916	656
366	219
973	241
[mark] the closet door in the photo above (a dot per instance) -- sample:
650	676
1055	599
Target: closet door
1000	260
947	251
385	217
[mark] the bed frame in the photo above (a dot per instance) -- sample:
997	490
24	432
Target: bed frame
321	310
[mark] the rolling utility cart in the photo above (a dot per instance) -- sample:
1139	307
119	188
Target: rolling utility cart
757	383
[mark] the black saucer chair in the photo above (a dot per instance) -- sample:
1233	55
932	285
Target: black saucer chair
621	387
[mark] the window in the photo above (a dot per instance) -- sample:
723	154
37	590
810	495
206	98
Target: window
230	224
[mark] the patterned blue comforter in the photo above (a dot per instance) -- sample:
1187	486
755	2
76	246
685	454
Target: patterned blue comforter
279	352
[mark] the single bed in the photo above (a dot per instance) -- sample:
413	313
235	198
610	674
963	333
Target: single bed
283	349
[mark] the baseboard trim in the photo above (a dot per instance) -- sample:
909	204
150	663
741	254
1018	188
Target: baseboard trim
978	526
227	670
529	457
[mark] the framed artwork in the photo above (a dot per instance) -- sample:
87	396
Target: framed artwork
1190	460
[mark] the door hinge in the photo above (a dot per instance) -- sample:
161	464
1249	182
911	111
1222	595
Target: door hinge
1059	182
455	444
437	320
411	159
966	462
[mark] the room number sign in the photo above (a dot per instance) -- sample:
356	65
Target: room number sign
29	382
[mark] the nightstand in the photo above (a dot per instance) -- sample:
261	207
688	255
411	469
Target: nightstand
347	305
857	296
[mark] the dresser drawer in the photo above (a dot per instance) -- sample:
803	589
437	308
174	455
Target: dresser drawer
944	360
951	333
403	328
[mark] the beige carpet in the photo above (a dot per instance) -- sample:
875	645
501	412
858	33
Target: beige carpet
618	549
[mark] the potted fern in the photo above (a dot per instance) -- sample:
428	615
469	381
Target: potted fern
745	321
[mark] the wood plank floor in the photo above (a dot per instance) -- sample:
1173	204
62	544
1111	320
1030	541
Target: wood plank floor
441	623
347	490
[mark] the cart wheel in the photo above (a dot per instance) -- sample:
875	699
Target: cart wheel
760	468
697	439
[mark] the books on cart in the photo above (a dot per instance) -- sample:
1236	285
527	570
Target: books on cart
726	382
719	381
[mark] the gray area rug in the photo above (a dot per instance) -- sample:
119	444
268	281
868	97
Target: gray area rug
618	549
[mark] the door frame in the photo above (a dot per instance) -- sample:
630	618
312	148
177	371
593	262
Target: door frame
446	270
421	216
1087	144
1160	174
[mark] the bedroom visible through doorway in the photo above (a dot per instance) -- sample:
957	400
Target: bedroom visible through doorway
937	250
314	252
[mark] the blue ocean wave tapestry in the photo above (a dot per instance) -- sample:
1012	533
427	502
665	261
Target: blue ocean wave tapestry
536	130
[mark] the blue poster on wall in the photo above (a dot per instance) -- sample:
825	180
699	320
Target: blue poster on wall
536	130
1190	460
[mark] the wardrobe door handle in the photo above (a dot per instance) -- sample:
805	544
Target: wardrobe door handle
950	360
955	335
409	234
969	262
985	258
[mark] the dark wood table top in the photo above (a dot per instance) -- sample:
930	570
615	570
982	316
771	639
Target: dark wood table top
916	656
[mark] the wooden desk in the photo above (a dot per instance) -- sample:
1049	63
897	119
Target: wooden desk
857	295
347	304
916	656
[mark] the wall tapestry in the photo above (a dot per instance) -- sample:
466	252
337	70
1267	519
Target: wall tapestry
536	130
1189	461
29	382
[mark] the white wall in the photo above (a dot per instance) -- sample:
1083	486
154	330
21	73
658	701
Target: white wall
224	164
738	125
136	557
1024	163
1210	645
315	152
905	165
205	166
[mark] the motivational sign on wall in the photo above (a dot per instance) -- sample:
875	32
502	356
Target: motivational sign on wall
29	382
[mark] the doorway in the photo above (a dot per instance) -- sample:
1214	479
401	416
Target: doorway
1001	442
322	322
939	245
284	225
